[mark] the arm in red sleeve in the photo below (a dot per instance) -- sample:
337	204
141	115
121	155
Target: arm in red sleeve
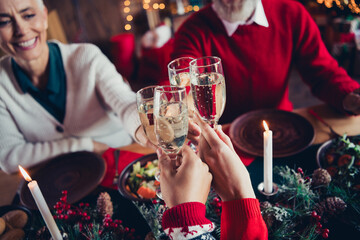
242	219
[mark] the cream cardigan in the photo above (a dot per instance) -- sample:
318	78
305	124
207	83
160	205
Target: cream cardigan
100	106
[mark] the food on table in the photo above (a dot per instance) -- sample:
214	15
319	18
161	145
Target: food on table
12	224
341	153
13	234
141	182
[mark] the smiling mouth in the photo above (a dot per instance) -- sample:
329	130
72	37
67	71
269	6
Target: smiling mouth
27	44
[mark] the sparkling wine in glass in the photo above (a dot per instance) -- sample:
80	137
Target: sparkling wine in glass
171	117
145	104
179	75
208	88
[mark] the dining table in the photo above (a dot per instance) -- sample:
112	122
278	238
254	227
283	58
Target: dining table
340	122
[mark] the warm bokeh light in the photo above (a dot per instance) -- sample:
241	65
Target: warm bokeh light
146	1
350	4
127	3
265	126
196	8
127	27
155	6
25	174
146	6
126	9
162	6
129	18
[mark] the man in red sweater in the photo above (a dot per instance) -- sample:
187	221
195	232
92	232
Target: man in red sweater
186	188
259	41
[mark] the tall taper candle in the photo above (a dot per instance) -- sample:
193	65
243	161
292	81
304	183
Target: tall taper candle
268	160
42	206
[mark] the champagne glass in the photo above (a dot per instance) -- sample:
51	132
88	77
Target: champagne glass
179	75
208	88
145	104
171	118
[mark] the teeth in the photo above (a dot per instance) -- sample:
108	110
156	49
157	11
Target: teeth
27	43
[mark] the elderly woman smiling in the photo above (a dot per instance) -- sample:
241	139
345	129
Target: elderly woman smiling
56	98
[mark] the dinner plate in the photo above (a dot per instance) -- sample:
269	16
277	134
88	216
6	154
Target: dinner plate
79	173
292	133
335	148
124	175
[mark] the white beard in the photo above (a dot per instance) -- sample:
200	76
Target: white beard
236	10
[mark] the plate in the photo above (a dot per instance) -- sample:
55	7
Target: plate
79	173
292	133
329	152
125	175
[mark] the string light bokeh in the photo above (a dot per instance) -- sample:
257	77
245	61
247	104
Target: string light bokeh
342	4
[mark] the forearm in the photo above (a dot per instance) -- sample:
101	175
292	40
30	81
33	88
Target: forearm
26	154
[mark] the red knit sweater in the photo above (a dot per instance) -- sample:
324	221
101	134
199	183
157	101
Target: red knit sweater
257	60
240	219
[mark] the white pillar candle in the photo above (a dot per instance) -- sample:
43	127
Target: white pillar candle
268	160
42	206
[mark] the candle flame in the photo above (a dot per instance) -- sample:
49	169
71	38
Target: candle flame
265	126
25	174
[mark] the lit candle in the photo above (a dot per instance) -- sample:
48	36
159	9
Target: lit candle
268	159
42	206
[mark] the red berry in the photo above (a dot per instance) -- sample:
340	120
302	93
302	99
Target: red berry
299	169
325	235
314	214
319	225
326	230
318	218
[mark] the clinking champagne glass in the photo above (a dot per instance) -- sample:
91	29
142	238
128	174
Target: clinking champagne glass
171	119
208	88
145	104
179	75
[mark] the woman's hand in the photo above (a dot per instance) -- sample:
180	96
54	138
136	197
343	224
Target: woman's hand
231	178
190	182
194	132
351	102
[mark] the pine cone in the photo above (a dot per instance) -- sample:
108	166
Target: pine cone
321	177
104	204
330	206
265	205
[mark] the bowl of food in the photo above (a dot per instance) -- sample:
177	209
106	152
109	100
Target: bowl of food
15	222
338	153
137	181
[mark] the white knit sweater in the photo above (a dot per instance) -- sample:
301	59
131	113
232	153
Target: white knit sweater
100	106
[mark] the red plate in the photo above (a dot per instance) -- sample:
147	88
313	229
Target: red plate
79	173
291	132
